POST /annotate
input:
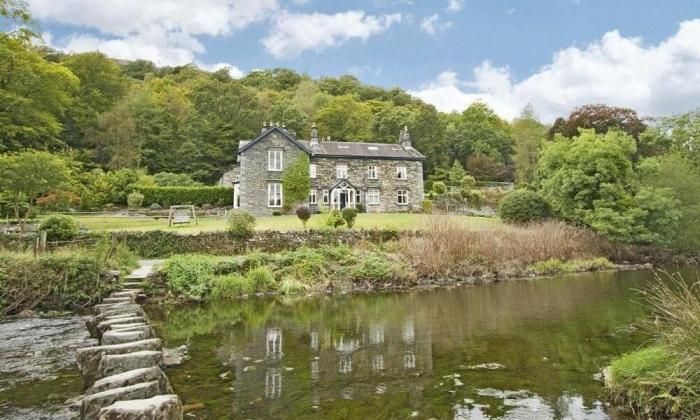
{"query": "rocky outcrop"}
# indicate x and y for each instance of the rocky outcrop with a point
(123, 375)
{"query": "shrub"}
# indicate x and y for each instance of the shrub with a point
(360, 208)
(59, 201)
(59, 228)
(334, 219)
(261, 279)
(277, 213)
(230, 286)
(134, 200)
(241, 224)
(349, 215)
(522, 206)
(169, 179)
(198, 196)
(189, 276)
(255, 259)
(427, 206)
(155, 206)
(439, 187)
(304, 214)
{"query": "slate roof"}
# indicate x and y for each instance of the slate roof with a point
(346, 149)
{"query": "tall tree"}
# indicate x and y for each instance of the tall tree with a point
(345, 118)
(600, 118)
(528, 134)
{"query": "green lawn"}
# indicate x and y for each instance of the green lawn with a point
(401, 221)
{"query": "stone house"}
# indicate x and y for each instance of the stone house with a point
(381, 177)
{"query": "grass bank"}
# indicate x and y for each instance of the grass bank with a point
(304, 270)
(663, 379)
(398, 221)
(62, 279)
(446, 249)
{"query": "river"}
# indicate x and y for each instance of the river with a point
(525, 349)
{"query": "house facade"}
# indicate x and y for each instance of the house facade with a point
(382, 177)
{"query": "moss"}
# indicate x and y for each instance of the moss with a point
(554, 266)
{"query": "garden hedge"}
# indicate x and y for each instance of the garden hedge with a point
(198, 196)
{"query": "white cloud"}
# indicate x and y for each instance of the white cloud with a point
(455, 6)
(233, 71)
(293, 34)
(655, 80)
(164, 32)
(432, 24)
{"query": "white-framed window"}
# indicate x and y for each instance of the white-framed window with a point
(312, 170)
(372, 196)
(312, 196)
(325, 196)
(274, 194)
(371, 172)
(401, 172)
(402, 197)
(274, 160)
(341, 171)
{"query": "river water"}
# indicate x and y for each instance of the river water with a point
(525, 349)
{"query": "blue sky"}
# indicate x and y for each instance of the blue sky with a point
(448, 52)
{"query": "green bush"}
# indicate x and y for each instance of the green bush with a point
(169, 179)
(134, 200)
(189, 276)
(261, 279)
(522, 206)
(427, 206)
(334, 219)
(198, 196)
(155, 206)
(231, 286)
(349, 215)
(304, 214)
(439, 187)
(241, 224)
(59, 228)
(360, 208)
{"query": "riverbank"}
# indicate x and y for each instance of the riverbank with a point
(662, 379)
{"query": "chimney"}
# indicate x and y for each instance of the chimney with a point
(313, 141)
(405, 138)
(264, 127)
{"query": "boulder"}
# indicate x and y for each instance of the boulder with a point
(161, 407)
(88, 358)
(120, 337)
(132, 377)
(112, 364)
(92, 404)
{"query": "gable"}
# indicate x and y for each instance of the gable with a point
(269, 136)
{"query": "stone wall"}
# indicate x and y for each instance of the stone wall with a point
(255, 176)
(386, 182)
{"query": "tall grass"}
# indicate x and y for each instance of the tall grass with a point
(447, 248)
(663, 380)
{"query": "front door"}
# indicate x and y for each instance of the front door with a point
(343, 199)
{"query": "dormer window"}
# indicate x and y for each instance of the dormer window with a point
(274, 160)
(401, 172)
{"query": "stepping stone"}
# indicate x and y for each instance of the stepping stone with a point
(132, 284)
(165, 407)
(127, 294)
(94, 321)
(121, 337)
(92, 404)
(117, 299)
(103, 307)
(105, 325)
(132, 377)
(130, 327)
(89, 358)
(117, 363)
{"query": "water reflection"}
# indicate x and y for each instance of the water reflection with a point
(525, 350)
